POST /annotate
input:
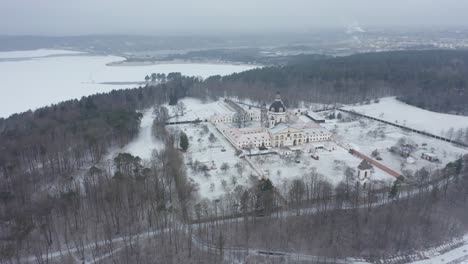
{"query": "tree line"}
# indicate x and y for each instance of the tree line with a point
(432, 79)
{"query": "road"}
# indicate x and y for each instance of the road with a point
(197, 242)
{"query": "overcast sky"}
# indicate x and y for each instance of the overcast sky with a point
(74, 17)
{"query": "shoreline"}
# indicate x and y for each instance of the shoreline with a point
(157, 62)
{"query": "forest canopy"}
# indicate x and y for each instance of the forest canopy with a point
(433, 79)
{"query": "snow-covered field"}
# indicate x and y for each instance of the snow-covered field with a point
(32, 83)
(195, 108)
(392, 110)
(366, 135)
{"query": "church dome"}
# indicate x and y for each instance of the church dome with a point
(364, 165)
(277, 106)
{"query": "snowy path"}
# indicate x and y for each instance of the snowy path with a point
(197, 242)
(458, 255)
(93, 245)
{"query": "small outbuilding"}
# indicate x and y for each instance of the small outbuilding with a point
(429, 156)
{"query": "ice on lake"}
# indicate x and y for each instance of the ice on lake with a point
(33, 83)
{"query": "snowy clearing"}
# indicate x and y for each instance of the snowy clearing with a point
(144, 144)
(33, 83)
(392, 110)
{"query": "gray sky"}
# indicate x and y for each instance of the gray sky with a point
(73, 17)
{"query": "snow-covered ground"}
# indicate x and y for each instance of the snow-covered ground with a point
(457, 255)
(35, 53)
(32, 83)
(195, 108)
(363, 135)
(144, 144)
(331, 165)
(278, 168)
(366, 135)
(214, 182)
(392, 110)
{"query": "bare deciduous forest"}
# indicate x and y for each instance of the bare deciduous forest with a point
(60, 204)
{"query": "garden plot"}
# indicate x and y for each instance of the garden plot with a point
(392, 110)
(366, 135)
(212, 162)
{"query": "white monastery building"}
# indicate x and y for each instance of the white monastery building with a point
(278, 127)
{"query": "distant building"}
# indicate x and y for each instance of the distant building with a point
(279, 128)
(316, 117)
(429, 156)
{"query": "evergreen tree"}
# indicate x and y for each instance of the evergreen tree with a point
(395, 189)
(153, 77)
(265, 197)
(184, 142)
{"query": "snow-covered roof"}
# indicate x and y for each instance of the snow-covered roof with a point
(281, 127)
(430, 154)
(315, 131)
(304, 125)
(315, 116)
(248, 134)
(317, 145)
